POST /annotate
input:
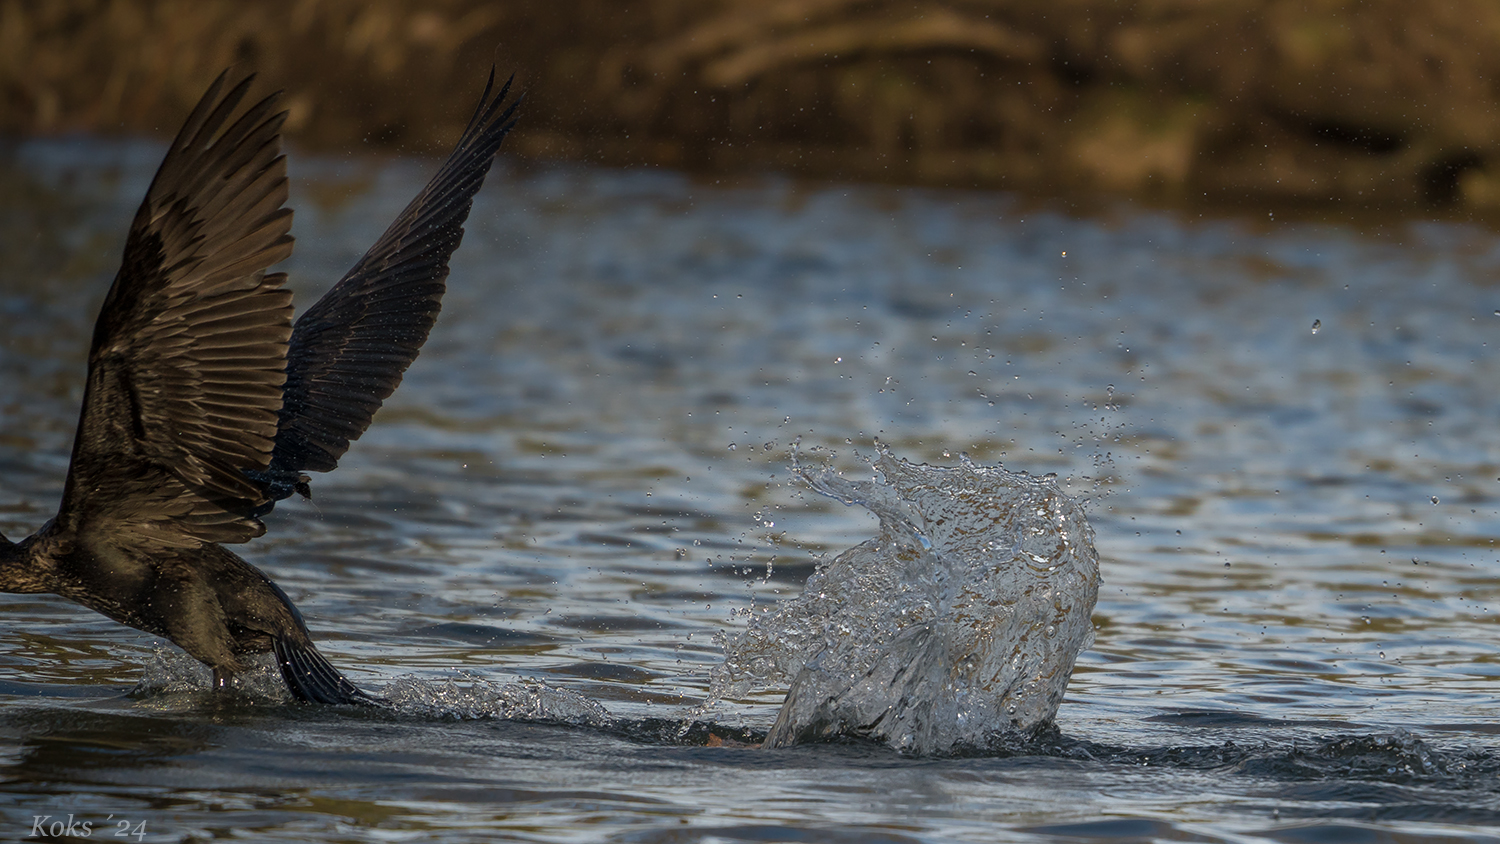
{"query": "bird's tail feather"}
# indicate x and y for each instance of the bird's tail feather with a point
(311, 678)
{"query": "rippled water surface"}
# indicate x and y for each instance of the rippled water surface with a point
(584, 481)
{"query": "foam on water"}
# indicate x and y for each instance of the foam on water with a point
(959, 622)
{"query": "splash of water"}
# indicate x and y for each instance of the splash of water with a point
(172, 675)
(471, 697)
(959, 622)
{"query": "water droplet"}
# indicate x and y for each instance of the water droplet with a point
(1317, 324)
(1434, 499)
(732, 446)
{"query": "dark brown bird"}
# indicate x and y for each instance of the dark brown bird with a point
(204, 403)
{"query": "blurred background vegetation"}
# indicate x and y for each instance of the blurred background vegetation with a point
(1380, 102)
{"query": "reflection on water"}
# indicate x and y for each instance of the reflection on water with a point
(584, 480)
(959, 621)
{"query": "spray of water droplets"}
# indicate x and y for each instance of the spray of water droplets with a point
(958, 623)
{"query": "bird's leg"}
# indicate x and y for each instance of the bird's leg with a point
(223, 679)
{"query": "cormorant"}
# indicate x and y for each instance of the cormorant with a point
(204, 404)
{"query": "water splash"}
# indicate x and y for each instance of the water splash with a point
(959, 622)
(470, 698)
(172, 675)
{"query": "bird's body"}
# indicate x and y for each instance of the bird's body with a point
(204, 403)
(214, 605)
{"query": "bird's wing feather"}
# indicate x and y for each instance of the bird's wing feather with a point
(189, 351)
(350, 349)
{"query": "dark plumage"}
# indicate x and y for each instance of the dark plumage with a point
(204, 404)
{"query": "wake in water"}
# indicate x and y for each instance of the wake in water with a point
(957, 624)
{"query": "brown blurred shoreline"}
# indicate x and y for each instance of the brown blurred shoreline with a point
(1393, 103)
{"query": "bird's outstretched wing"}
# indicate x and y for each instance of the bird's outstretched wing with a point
(189, 351)
(349, 351)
